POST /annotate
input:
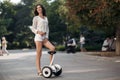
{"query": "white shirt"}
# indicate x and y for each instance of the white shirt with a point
(73, 44)
(82, 40)
(105, 43)
(40, 24)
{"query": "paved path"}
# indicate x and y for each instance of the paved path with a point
(20, 65)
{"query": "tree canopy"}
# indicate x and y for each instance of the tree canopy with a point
(98, 13)
(15, 20)
(65, 16)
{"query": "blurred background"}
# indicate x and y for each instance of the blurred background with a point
(96, 19)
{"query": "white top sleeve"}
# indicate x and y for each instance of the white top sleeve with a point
(34, 25)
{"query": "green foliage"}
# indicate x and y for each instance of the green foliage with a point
(63, 19)
(15, 19)
(96, 47)
(56, 25)
(60, 48)
(103, 14)
(6, 17)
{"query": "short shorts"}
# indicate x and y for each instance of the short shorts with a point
(39, 37)
(81, 45)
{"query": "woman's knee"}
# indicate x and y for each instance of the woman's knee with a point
(49, 45)
(52, 48)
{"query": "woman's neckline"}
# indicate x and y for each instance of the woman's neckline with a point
(41, 17)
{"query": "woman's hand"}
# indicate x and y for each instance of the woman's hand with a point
(41, 33)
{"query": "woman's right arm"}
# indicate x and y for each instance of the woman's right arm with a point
(34, 25)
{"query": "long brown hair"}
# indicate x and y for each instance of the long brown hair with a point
(43, 10)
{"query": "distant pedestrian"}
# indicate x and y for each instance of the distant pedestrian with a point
(112, 44)
(4, 46)
(82, 43)
(106, 44)
(71, 44)
(0, 49)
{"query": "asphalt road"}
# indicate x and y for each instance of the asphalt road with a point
(20, 65)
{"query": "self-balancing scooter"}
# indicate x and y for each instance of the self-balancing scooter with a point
(55, 69)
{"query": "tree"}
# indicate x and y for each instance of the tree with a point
(23, 19)
(102, 14)
(57, 26)
(6, 15)
(15, 20)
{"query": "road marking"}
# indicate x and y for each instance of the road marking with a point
(111, 78)
(18, 55)
(117, 61)
(80, 71)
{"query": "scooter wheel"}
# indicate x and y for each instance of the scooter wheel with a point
(58, 70)
(47, 72)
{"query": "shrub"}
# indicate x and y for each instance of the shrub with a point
(60, 48)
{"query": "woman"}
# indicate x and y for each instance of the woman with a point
(0, 49)
(106, 44)
(82, 43)
(4, 46)
(41, 30)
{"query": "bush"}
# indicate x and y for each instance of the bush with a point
(96, 47)
(60, 48)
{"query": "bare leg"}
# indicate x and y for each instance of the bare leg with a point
(38, 55)
(6, 51)
(1, 54)
(81, 49)
(49, 46)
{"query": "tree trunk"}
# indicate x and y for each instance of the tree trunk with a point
(118, 41)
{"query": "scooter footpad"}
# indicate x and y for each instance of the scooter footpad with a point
(51, 52)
